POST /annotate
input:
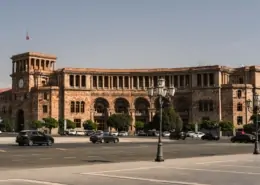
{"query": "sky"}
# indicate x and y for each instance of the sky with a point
(131, 33)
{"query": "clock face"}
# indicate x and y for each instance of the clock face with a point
(21, 83)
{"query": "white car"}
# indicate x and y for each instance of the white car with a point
(166, 134)
(80, 133)
(197, 135)
(123, 133)
(114, 133)
(72, 132)
(190, 133)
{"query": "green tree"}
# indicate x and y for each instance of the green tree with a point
(89, 125)
(119, 121)
(70, 124)
(170, 120)
(139, 125)
(208, 125)
(226, 126)
(7, 125)
(50, 123)
(35, 124)
(249, 128)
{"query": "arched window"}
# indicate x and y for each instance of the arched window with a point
(239, 107)
(72, 106)
(239, 93)
(77, 106)
(82, 107)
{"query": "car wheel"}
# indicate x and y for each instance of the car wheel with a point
(107, 142)
(233, 141)
(30, 143)
(49, 142)
(116, 140)
(20, 144)
(93, 142)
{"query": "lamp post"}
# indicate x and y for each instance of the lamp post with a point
(253, 107)
(161, 91)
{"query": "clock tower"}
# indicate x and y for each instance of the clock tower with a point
(30, 72)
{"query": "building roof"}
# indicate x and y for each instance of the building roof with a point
(34, 54)
(5, 89)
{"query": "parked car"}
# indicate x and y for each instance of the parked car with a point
(71, 132)
(197, 135)
(123, 133)
(142, 133)
(243, 138)
(178, 135)
(114, 133)
(80, 133)
(32, 137)
(104, 138)
(190, 133)
(210, 136)
(166, 134)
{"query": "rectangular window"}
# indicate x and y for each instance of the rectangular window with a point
(239, 120)
(200, 106)
(72, 107)
(45, 96)
(45, 109)
(181, 80)
(78, 123)
(126, 82)
(71, 80)
(205, 79)
(199, 80)
(106, 82)
(94, 82)
(135, 82)
(211, 79)
(187, 78)
(83, 81)
(77, 107)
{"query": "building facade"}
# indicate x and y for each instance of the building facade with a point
(204, 92)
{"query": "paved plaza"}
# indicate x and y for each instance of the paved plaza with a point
(239, 169)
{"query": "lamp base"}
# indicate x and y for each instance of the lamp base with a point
(159, 156)
(256, 149)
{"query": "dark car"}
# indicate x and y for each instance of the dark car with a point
(210, 136)
(32, 137)
(104, 138)
(243, 138)
(178, 135)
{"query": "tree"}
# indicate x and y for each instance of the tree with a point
(170, 120)
(249, 128)
(139, 125)
(50, 123)
(89, 125)
(226, 126)
(119, 121)
(35, 124)
(209, 125)
(70, 124)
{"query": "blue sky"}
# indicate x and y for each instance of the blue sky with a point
(132, 33)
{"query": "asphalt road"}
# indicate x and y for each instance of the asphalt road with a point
(13, 156)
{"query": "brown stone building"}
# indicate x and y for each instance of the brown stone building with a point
(204, 92)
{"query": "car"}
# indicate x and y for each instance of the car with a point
(190, 133)
(243, 138)
(197, 135)
(123, 133)
(32, 137)
(166, 134)
(142, 133)
(210, 136)
(178, 135)
(104, 138)
(80, 133)
(114, 133)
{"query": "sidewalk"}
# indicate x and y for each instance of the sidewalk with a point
(11, 140)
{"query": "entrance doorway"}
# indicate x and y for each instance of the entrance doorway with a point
(19, 120)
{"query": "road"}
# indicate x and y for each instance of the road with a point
(13, 156)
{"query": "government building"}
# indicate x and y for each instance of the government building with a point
(40, 90)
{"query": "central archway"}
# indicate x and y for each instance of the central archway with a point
(19, 120)
(121, 105)
(101, 106)
(141, 109)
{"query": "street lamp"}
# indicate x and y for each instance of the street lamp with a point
(162, 92)
(253, 107)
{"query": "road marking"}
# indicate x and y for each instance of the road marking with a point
(32, 181)
(17, 160)
(122, 170)
(35, 154)
(224, 161)
(212, 162)
(150, 180)
(46, 158)
(62, 149)
(92, 156)
(211, 170)
(69, 157)
(240, 166)
(3, 151)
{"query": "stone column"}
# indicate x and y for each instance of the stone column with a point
(143, 82)
(138, 82)
(117, 82)
(109, 82)
(103, 82)
(123, 77)
(112, 81)
(132, 82)
(97, 77)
